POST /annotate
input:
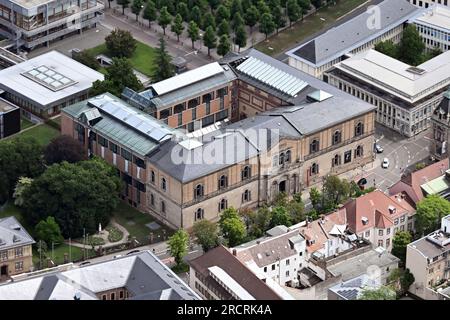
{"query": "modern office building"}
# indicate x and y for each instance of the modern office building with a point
(428, 259)
(9, 119)
(47, 83)
(433, 25)
(382, 22)
(15, 249)
(138, 276)
(405, 96)
(30, 24)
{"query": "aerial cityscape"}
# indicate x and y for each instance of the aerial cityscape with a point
(224, 150)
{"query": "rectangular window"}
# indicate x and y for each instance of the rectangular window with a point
(380, 232)
(396, 221)
(126, 154)
(18, 252)
(139, 162)
(367, 234)
(402, 219)
(114, 147)
(19, 265)
(273, 267)
(348, 156)
(4, 255)
(194, 113)
(287, 262)
(380, 243)
(102, 141)
(388, 242)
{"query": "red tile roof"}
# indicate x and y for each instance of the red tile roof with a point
(411, 183)
(377, 207)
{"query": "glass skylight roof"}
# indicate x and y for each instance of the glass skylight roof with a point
(49, 78)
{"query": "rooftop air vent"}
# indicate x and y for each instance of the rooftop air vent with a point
(364, 220)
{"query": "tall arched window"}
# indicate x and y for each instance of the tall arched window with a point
(223, 204)
(282, 159)
(198, 191)
(314, 169)
(246, 196)
(314, 146)
(287, 156)
(223, 182)
(163, 207)
(359, 151)
(199, 214)
(246, 173)
(152, 199)
(337, 137)
(163, 184)
(153, 177)
(359, 129)
(336, 161)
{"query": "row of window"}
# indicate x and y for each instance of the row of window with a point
(282, 158)
(336, 160)
(116, 149)
(18, 252)
(314, 146)
(222, 205)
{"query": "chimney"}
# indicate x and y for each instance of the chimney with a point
(234, 252)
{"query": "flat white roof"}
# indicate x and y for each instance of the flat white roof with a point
(393, 76)
(437, 16)
(187, 78)
(16, 79)
(229, 282)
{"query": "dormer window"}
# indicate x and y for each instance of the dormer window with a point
(392, 209)
(364, 220)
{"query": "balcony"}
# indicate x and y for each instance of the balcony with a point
(336, 146)
(218, 192)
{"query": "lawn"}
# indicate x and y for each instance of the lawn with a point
(142, 59)
(25, 123)
(75, 254)
(43, 134)
(135, 223)
(306, 28)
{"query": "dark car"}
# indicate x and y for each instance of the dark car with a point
(134, 251)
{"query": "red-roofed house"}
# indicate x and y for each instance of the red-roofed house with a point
(377, 216)
(410, 184)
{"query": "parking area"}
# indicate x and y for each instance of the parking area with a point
(403, 155)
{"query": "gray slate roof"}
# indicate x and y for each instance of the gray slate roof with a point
(12, 234)
(142, 274)
(353, 33)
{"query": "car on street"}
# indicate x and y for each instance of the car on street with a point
(84, 263)
(385, 163)
(378, 148)
(134, 251)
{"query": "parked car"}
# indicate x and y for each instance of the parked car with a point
(385, 163)
(84, 263)
(134, 251)
(378, 148)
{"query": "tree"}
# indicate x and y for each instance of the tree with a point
(124, 4)
(150, 12)
(335, 191)
(296, 211)
(224, 45)
(48, 231)
(136, 7)
(399, 242)
(232, 227)
(280, 216)
(164, 19)
(178, 244)
(240, 38)
(411, 46)
(317, 3)
(383, 293)
(209, 21)
(120, 43)
(183, 11)
(164, 68)
(305, 5)
(87, 58)
(260, 222)
(251, 17)
(400, 280)
(19, 157)
(316, 197)
(387, 48)
(22, 184)
(237, 21)
(236, 8)
(293, 11)
(177, 26)
(222, 13)
(223, 28)
(278, 18)
(193, 32)
(209, 39)
(207, 234)
(78, 195)
(266, 25)
(430, 212)
(262, 7)
(196, 15)
(118, 76)
(64, 148)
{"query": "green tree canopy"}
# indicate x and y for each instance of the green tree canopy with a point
(118, 76)
(22, 184)
(240, 38)
(267, 26)
(80, 195)
(178, 244)
(136, 7)
(209, 21)
(335, 191)
(193, 32)
(120, 43)
(232, 227)
(388, 48)
(48, 231)
(316, 197)
(411, 46)
(150, 13)
(224, 45)
(259, 222)
(64, 148)
(124, 4)
(293, 11)
(280, 216)
(87, 58)
(222, 13)
(223, 28)
(237, 21)
(183, 11)
(177, 26)
(164, 19)
(207, 234)
(399, 242)
(383, 293)
(209, 39)
(196, 15)
(236, 8)
(163, 63)
(430, 212)
(251, 17)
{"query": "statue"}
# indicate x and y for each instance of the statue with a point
(99, 228)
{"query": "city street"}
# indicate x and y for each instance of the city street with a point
(403, 154)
